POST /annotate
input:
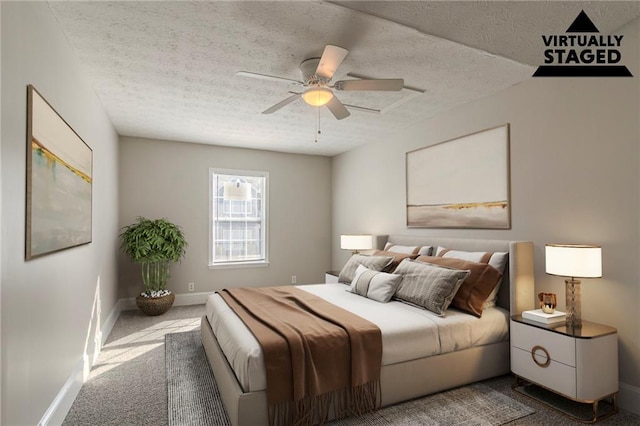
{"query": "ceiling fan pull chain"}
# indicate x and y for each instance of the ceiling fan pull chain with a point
(318, 133)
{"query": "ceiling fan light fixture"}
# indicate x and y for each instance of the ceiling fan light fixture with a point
(317, 96)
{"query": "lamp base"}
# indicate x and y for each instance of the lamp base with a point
(574, 303)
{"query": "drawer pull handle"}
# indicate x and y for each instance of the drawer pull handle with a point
(533, 356)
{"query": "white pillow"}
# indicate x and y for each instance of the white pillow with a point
(425, 250)
(420, 250)
(375, 285)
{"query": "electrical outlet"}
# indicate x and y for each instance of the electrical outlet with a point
(192, 286)
(293, 279)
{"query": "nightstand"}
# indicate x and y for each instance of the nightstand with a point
(579, 364)
(331, 277)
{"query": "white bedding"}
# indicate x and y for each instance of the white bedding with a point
(407, 332)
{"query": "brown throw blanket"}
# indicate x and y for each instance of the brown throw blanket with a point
(318, 357)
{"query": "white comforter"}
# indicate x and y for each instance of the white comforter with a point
(407, 332)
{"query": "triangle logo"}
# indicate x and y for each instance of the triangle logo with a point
(582, 24)
(582, 55)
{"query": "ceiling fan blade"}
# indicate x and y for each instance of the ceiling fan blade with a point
(331, 59)
(390, 84)
(281, 104)
(269, 77)
(337, 109)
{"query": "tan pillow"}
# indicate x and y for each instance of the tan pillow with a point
(397, 258)
(476, 287)
(498, 260)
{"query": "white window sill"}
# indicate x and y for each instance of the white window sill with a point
(235, 265)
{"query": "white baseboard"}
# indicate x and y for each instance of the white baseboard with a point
(185, 299)
(182, 299)
(629, 398)
(61, 404)
(109, 323)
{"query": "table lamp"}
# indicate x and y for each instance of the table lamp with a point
(573, 261)
(356, 242)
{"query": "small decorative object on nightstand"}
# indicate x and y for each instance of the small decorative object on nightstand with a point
(548, 302)
(356, 242)
(578, 363)
(574, 261)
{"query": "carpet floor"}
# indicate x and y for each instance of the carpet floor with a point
(128, 384)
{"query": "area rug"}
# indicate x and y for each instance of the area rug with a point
(193, 396)
(582, 412)
(194, 399)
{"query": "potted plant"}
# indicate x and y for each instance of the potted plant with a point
(154, 244)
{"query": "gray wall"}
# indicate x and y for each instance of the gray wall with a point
(574, 178)
(171, 179)
(49, 318)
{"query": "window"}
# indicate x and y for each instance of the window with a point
(238, 221)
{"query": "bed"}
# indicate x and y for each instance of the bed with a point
(427, 371)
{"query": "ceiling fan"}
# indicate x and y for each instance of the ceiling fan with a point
(316, 78)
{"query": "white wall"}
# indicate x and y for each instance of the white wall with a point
(53, 307)
(574, 178)
(171, 179)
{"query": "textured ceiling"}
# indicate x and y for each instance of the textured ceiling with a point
(166, 70)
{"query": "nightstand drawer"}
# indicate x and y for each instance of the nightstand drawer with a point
(559, 347)
(552, 374)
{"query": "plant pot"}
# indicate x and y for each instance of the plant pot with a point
(155, 305)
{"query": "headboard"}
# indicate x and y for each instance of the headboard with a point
(517, 291)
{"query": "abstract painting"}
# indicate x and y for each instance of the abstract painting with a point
(461, 183)
(59, 181)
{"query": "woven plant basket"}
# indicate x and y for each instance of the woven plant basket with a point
(155, 306)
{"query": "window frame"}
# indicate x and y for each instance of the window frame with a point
(213, 171)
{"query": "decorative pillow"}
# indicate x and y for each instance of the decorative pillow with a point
(498, 260)
(396, 248)
(425, 250)
(429, 286)
(397, 258)
(376, 263)
(475, 289)
(375, 285)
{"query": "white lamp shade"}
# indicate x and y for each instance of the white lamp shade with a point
(237, 191)
(356, 242)
(573, 260)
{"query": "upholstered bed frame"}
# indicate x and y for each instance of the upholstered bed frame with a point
(414, 378)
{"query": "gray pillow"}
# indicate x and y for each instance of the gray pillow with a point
(375, 285)
(429, 286)
(376, 263)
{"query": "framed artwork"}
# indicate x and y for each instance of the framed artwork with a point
(461, 183)
(59, 181)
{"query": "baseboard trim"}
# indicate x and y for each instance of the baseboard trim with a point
(185, 299)
(61, 404)
(182, 299)
(63, 401)
(629, 398)
(110, 322)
